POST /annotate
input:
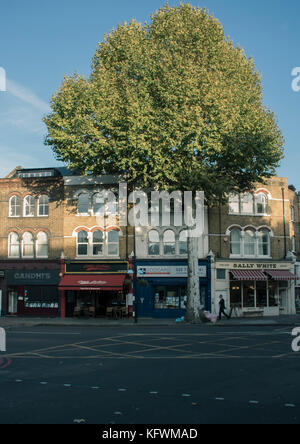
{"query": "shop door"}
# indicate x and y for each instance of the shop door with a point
(283, 300)
(70, 303)
(12, 302)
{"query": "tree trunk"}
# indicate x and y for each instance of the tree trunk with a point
(193, 309)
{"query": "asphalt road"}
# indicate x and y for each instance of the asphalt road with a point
(154, 375)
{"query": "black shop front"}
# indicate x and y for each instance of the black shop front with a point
(32, 292)
(93, 288)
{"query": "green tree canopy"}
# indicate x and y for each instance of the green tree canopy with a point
(168, 105)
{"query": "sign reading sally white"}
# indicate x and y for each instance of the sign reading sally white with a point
(2, 79)
(2, 340)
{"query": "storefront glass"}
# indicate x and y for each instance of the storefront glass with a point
(41, 297)
(236, 293)
(248, 294)
(272, 291)
(169, 298)
(261, 294)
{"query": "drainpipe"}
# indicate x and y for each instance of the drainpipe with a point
(284, 228)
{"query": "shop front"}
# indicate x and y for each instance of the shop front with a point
(93, 288)
(161, 288)
(30, 290)
(255, 288)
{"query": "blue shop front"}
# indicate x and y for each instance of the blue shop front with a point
(161, 287)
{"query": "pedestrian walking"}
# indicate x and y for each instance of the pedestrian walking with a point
(222, 309)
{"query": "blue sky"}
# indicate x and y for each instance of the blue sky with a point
(41, 41)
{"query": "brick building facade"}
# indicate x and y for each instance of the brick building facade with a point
(63, 250)
(252, 240)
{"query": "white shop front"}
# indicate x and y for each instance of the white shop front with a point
(254, 288)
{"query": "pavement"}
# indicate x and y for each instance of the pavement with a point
(18, 321)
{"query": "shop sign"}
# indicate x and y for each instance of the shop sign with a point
(34, 277)
(254, 265)
(168, 271)
(98, 267)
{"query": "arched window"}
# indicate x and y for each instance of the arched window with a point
(234, 203)
(43, 206)
(15, 206)
(169, 242)
(82, 243)
(113, 243)
(247, 203)
(29, 206)
(83, 205)
(98, 204)
(13, 245)
(261, 204)
(235, 242)
(153, 243)
(42, 244)
(27, 245)
(183, 235)
(97, 243)
(263, 238)
(249, 243)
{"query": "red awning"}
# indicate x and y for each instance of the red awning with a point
(92, 282)
(281, 275)
(248, 275)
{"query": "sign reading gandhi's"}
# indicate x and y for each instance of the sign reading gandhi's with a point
(34, 277)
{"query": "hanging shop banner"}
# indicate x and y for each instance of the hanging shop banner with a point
(168, 271)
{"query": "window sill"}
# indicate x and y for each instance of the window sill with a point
(233, 256)
(250, 214)
(97, 257)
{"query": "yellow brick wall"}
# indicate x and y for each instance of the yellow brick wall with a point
(220, 220)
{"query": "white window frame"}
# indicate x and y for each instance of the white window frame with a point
(27, 256)
(154, 243)
(112, 243)
(256, 237)
(82, 243)
(43, 206)
(89, 204)
(11, 206)
(256, 203)
(166, 243)
(39, 244)
(236, 200)
(28, 198)
(97, 243)
(10, 245)
(90, 244)
(185, 232)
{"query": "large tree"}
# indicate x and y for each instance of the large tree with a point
(169, 104)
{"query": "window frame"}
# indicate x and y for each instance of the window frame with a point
(29, 205)
(43, 205)
(23, 245)
(87, 213)
(15, 196)
(18, 245)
